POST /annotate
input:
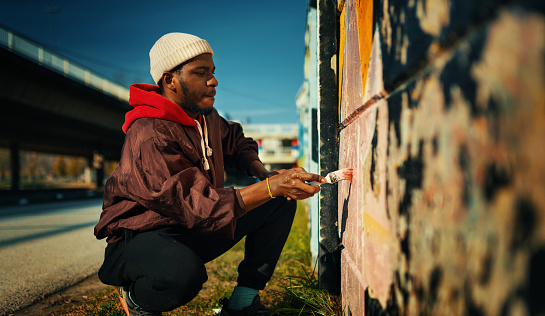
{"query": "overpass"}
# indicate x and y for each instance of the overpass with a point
(50, 104)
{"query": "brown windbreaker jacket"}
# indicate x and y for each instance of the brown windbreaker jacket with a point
(161, 178)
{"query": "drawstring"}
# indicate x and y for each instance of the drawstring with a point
(206, 150)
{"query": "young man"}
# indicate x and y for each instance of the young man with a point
(166, 212)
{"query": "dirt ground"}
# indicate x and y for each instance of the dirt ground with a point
(75, 294)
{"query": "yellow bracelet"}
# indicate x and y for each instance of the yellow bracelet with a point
(269, 188)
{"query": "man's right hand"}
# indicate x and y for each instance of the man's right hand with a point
(292, 184)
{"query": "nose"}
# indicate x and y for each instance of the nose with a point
(212, 82)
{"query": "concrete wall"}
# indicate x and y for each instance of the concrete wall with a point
(442, 116)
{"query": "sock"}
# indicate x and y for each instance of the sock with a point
(242, 297)
(131, 300)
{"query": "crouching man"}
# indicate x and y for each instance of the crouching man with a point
(166, 211)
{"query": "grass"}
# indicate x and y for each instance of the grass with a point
(292, 291)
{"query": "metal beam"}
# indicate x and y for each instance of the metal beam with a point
(329, 252)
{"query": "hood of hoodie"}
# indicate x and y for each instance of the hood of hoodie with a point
(148, 102)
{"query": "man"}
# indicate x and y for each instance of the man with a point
(166, 212)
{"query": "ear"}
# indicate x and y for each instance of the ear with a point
(168, 79)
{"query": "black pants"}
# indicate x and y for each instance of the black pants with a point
(164, 268)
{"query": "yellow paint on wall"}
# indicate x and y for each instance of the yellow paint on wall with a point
(373, 228)
(365, 34)
(342, 35)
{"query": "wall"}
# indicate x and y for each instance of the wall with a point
(442, 116)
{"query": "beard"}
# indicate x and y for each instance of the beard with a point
(191, 106)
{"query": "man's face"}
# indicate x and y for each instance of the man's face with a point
(196, 85)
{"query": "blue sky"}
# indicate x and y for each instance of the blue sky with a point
(258, 45)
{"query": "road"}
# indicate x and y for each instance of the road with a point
(46, 248)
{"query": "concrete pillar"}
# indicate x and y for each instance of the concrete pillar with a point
(15, 166)
(98, 165)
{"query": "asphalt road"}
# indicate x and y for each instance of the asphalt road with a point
(46, 248)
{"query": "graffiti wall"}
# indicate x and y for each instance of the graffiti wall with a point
(442, 116)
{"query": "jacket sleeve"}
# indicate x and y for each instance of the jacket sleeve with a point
(164, 178)
(238, 151)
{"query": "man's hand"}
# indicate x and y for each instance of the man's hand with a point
(292, 184)
(289, 183)
(274, 173)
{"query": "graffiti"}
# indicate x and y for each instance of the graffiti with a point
(449, 192)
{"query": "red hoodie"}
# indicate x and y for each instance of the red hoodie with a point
(148, 102)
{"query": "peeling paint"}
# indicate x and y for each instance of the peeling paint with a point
(342, 36)
(365, 32)
(433, 15)
(386, 26)
(499, 73)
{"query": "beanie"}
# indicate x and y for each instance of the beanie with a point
(173, 49)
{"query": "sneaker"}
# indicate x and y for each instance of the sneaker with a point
(130, 308)
(255, 309)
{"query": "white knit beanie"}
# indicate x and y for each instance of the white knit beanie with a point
(173, 49)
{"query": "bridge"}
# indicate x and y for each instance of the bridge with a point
(51, 105)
